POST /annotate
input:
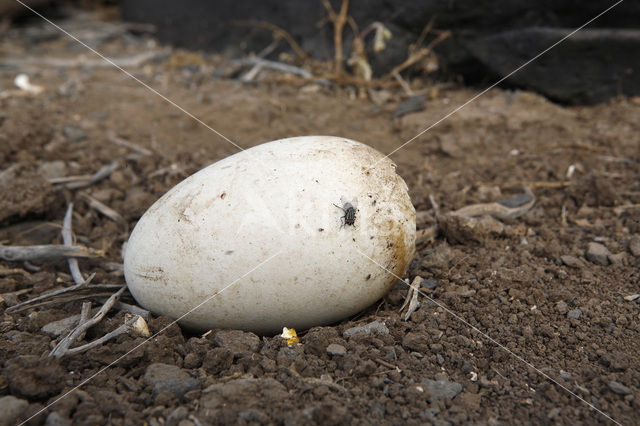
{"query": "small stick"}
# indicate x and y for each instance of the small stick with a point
(338, 20)
(123, 329)
(84, 315)
(67, 238)
(5, 272)
(52, 294)
(63, 346)
(69, 179)
(278, 66)
(44, 252)
(434, 206)
(405, 86)
(105, 171)
(121, 142)
(101, 207)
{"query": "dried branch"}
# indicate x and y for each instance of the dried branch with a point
(51, 294)
(278, 66)
(62, 347)
(123, 329)
(338, 20)
(101, 207)
(121, 142)
(418, 55)
(67, 239)
(104, 172)
(278, 34)
(45, 252)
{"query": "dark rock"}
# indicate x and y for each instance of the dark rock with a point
(239, 342)
(336, 350)
(634, 245)
(440, 389)
(165, 378)
(11, 410)
(619, 388)
(429, 284)
(55, 419)
(572, 261)
(416, 342)
(574, 314)
(552, 74)
(376, 327)
(75, 134)
(33, 377)
(598, 254)
(411, 105)
(561, 307)
(217, 360)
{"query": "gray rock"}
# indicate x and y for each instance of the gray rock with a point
(74, 133)
(376, 327)
(440, 389)
(57, 328)
(574, 314)
(619, 388)
(55, 419)
(177, 415)
(238, 341)
(411, 105)
(52, 169)
(634, 245)
(336, 350)
(598, 254)
(565, 376)
(11, 408)
(561, 307)
(169, 378)
(429, 284)
(572, 261)
(616, 259)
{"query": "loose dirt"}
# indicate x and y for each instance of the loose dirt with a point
(527, 282)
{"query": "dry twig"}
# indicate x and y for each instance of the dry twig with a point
(67, 239)
(338, 20)
(101, 207)
(62, 348)
(45, 252)
(54, 293)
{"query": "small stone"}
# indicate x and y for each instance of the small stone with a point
(436, 348)
(336, 350)
(565, 376)
(165, 378)
(572, 261)
(57, 328)
(11, 409)
(192, 360)
(429, 284)
(617, 259)
(417, 355)
(574, 314)
(440, 389)
(415, 342)
(376, 327)
(561, 307)
(238, 341)
(634, 245)
(177, 415)
(74, 133)
(619, 388)
(55, 419)
(439, 359)
(598, 254)
(52, 169)
(411, 105)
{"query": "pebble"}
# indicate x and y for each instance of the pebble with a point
(565, 376)
(574, 314)
(616, 259)
(74, 133)
(11, 408)
(55, 419)
(598, 254)
(336, 350)
(169, 378)
(572, 261)
(440, 389)
(619, 388)
(430, 284)
(177, 415)
(52, 169)
(238, 341)
(634, 245)
(561, 307)
(376, 327)
(411, 105)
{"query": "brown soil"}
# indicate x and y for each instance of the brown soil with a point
(511, 279)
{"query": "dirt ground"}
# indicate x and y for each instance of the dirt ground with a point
(528, 282)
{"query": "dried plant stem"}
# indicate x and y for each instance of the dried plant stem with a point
(123, 329)
(67, 239)
(51, 294)
(62, 347)
(338, 20)
(44, 252)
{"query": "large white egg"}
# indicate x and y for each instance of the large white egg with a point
(256, 242)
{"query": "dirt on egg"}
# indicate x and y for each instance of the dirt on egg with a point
(553, 286)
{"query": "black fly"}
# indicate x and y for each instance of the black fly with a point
(349, 217)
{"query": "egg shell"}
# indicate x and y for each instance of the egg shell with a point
(258, 241)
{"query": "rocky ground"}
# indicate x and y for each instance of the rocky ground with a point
(552, 286)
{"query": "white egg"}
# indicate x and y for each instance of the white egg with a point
(265, 238)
